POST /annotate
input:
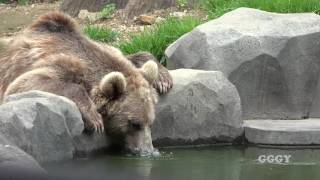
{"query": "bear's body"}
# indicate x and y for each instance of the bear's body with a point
(52, 55)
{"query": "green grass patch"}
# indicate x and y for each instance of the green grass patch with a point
(108, 11)
(182, 3)
(156, 39)
(216, 8)
(23, 2)
(101, 34)
(4, 1)
(20, 2)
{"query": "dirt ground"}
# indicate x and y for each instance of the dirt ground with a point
(14, 18)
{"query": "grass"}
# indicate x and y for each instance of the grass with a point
(216, 8)
(156, 39)
(182, 3)
(108, 11)
(23, 2)
(20, 2)
(101, 34)
(4, 1)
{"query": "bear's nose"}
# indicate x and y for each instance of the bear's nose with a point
(140, 143)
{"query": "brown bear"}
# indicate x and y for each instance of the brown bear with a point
(113, 92)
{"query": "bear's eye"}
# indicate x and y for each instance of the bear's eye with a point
(135, 126)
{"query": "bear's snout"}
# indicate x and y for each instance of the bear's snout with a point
(140, 142)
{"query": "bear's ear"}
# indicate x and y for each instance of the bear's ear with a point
(150, 71)
(113, 85)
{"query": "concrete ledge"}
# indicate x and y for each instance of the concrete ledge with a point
(283, 132)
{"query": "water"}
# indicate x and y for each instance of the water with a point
(221, 163)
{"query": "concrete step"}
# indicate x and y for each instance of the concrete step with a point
(283, 132)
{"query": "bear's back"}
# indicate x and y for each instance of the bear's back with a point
(56, 33)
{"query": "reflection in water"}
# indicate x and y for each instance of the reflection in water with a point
(221, 163)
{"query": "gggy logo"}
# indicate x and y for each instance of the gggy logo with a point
(274, 159)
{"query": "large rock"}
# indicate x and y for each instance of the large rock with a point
(202, 108)
(46, 126)
(132, 7)
(12, 157)
(283, 132)
(89, 16)
(272, 59)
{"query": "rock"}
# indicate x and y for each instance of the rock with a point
(88, 144)
(273, 60)
(46, 126)
(202, 108)
(89, 16)
(159, 19)
(72, 7)
(146, 20)
(178, 14)
(12, 157)
(283, 132)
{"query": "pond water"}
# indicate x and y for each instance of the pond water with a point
(221, 163)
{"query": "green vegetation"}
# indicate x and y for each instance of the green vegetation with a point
(21, 2)
(216, 8)
(182, 3)
(4, 1)
(102, 34)
(156, 39)
(108, 11)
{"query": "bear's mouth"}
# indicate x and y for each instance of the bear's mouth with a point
(140, 143)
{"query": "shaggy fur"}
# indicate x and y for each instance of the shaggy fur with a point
(164, 81)
(52, 55)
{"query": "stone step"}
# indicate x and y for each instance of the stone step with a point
(283, 132)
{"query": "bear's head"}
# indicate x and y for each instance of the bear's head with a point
(127, 107)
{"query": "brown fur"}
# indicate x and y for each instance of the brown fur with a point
(164, 81)
(52, 55)
(54, 22)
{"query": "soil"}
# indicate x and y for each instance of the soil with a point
(14, 18)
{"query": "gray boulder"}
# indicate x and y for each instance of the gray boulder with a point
(12, 157)
(46, 126)
(273, 60)
(202, 108)
(283, 132)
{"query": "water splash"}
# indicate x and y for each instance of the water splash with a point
(154, 155)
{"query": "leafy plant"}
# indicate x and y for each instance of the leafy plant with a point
(101, 34)
(108, 11)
